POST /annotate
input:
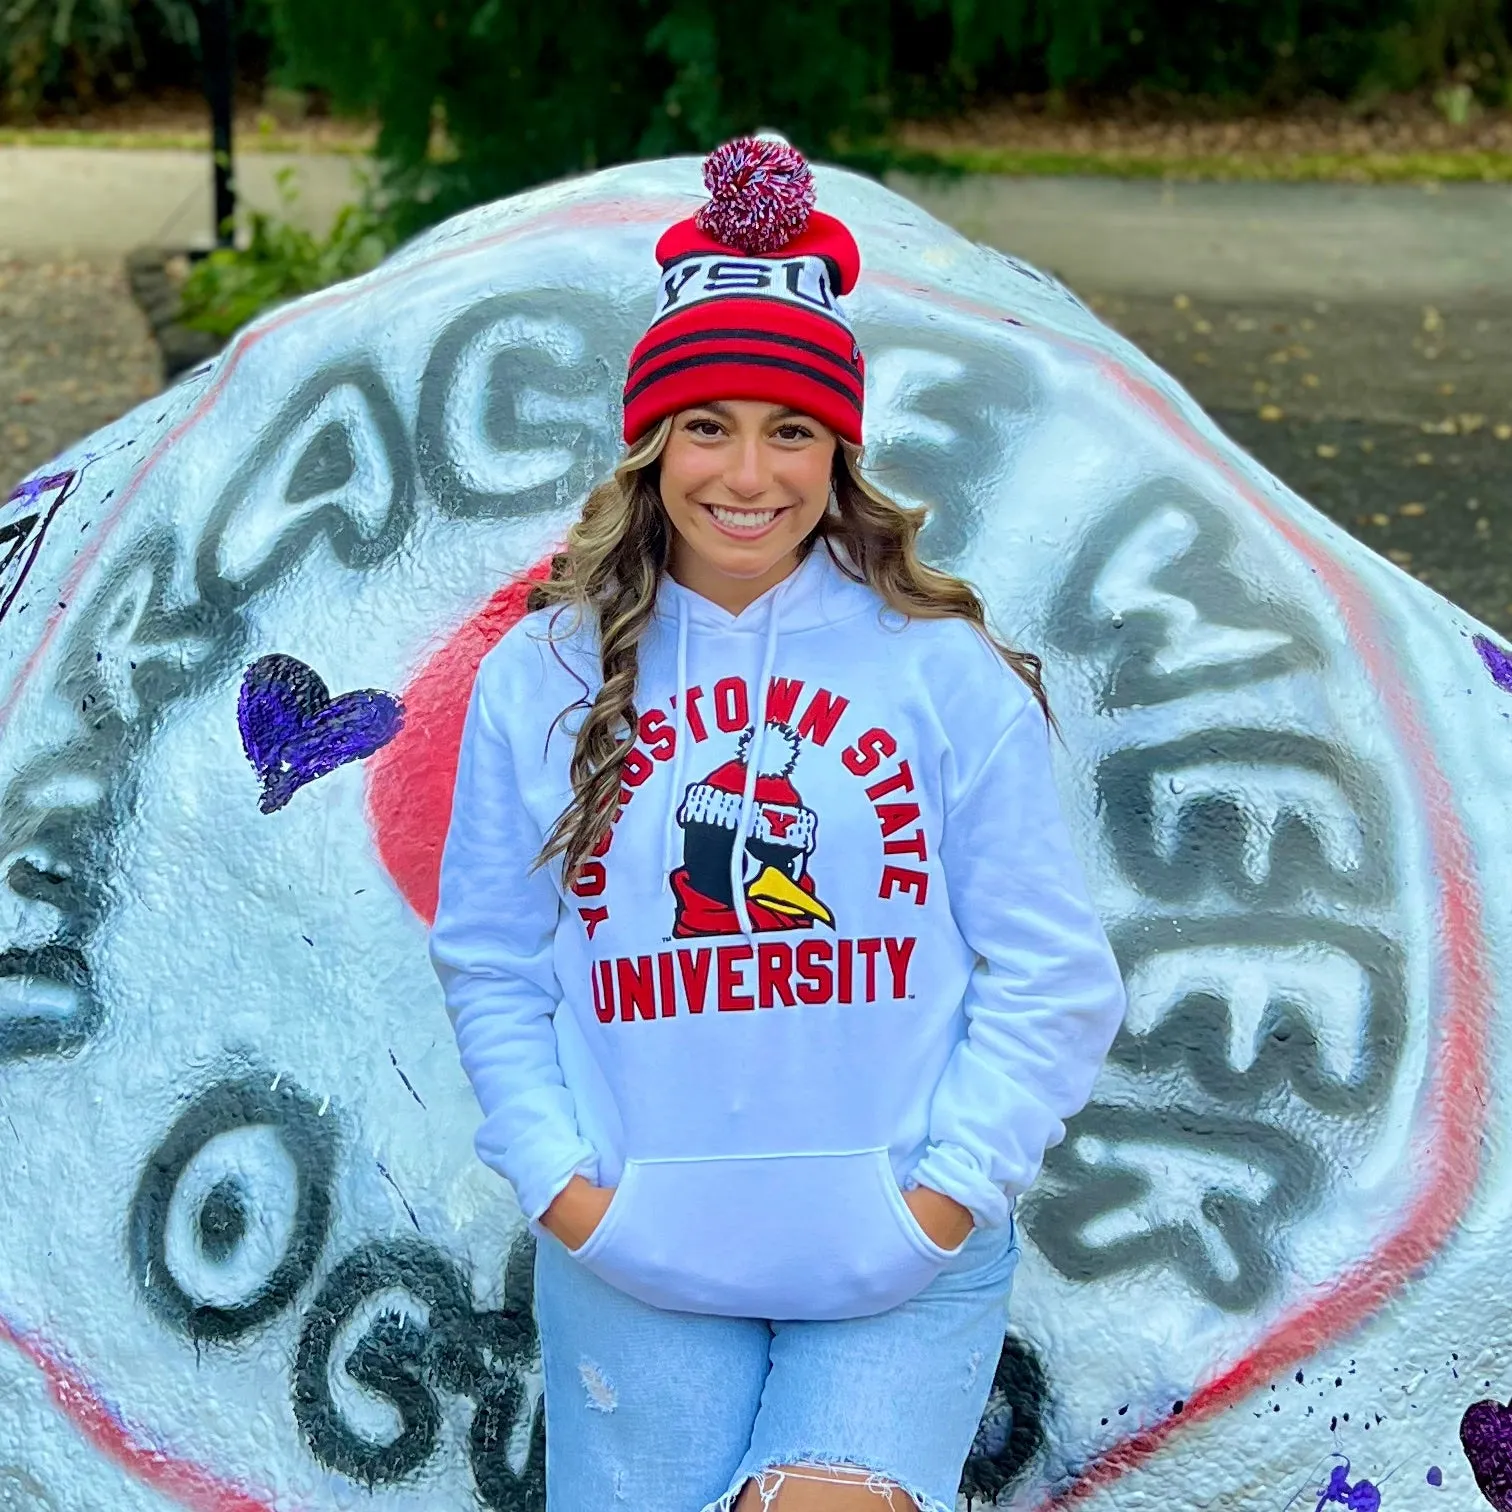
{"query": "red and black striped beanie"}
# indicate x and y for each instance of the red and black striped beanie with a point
(747, 304)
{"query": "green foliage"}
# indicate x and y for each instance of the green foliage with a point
(64, 54)
(281, 262)
(1456, 44)
(80, 48)
(477, 98)
(1247, 51)
(481, 98)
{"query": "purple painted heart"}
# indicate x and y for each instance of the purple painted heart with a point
(1498, 662)
(1486, 1435)
(293, 731)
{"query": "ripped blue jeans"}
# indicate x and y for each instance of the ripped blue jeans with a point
(652, 1411)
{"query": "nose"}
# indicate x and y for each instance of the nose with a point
(747, 477)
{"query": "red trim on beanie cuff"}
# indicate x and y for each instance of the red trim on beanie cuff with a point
(733, 348)
(735, 318)
(729, 378)
(742, 341)
(824, 236)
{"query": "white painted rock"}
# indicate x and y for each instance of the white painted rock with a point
(249, 1257)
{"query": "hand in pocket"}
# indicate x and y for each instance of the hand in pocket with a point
(941, 1217)
(576, 1211)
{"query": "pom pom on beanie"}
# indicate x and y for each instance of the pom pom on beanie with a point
(760, 195)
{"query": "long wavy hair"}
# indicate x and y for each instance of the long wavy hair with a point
(611, 565)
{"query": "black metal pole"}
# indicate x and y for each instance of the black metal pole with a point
(218, 41)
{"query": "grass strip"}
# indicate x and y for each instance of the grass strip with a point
(1466, 166)
(178, 141)
(1469, 166)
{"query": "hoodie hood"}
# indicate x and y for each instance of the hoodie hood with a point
(816, 594)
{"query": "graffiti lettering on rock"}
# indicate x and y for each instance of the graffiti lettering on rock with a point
(1150, 1188)
(24, 520)
(517, 405)
(411, 1352)
(1157, 595)
(233, 1207)
(1250, 1005)
(1254, 1007)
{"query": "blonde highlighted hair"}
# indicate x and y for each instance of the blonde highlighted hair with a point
(610, 568)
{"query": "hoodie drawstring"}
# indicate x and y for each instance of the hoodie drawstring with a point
(753, 767)
(754, 751)
(679, 746)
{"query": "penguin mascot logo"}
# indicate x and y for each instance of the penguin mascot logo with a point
(778, 888)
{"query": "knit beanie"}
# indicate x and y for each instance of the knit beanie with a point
(747, 303)
(780, 818)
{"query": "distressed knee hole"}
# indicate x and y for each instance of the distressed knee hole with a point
(601, 1395)
(769, 1481)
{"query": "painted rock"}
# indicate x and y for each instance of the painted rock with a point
(250, 1259)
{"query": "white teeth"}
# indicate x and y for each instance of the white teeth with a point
(743, 519)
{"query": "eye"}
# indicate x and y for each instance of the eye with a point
(792, 431)
(704, 427)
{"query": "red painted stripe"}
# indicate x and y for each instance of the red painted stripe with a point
(1455, 1101)
(410, 781)
(181, 1480)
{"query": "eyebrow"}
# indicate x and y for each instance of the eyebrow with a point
(717, 407)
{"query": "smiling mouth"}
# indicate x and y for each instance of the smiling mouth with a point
(742, 522)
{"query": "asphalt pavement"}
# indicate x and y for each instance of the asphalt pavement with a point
(91, 202)
(1356, 339)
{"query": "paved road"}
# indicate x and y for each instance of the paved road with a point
(74, 202)
(1220, 241)
(1395, 418)
(1357, 340)
(1241, 241)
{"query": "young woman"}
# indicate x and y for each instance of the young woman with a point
(767, 950)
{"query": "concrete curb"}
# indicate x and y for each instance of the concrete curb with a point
(180, 346)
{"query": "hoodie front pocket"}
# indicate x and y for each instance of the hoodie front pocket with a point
(767, 1236)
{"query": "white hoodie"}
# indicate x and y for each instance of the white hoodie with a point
(898, 980)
